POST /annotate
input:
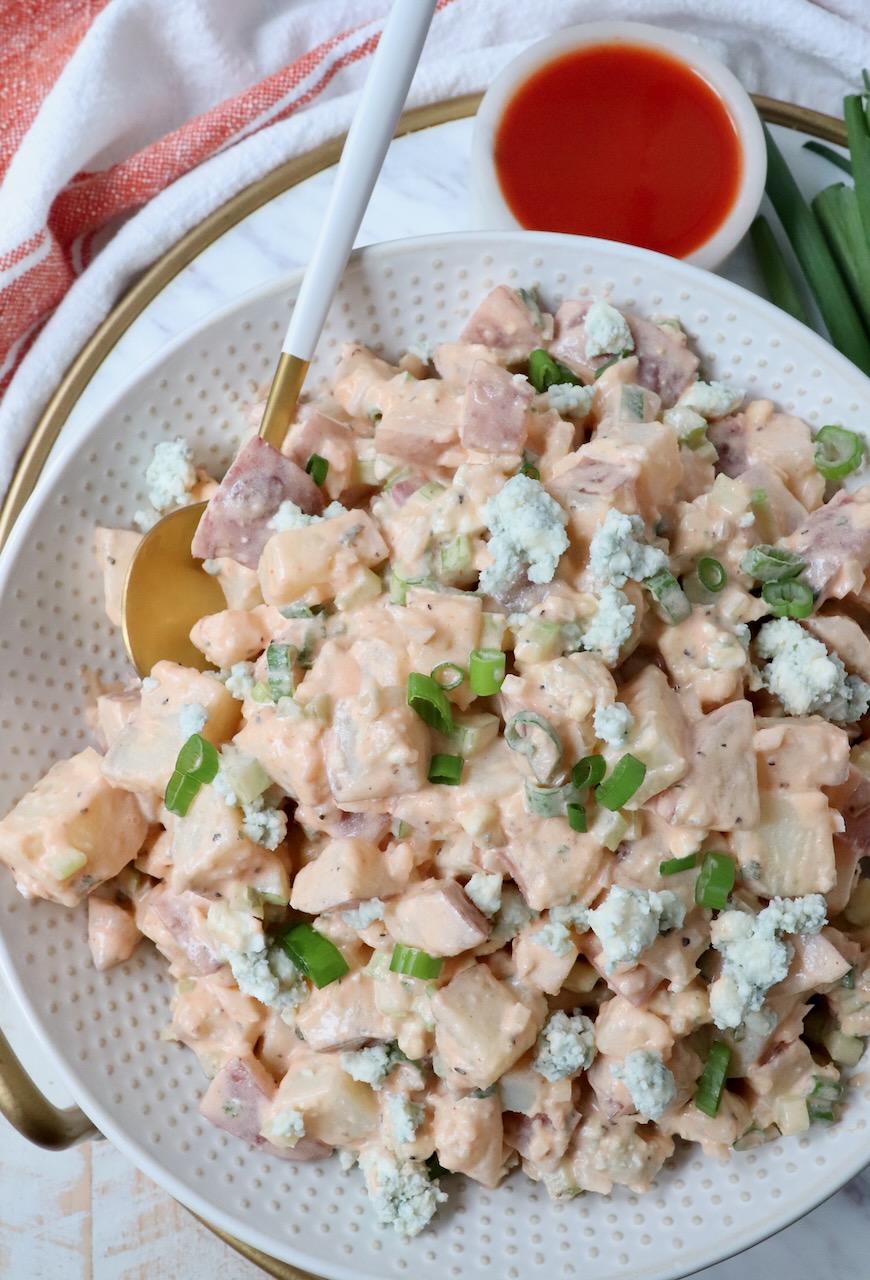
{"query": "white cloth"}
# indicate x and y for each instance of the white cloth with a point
(147, 66)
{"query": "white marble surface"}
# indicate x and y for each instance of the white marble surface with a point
(88, 1214)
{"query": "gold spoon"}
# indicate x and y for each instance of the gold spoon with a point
(166, 590)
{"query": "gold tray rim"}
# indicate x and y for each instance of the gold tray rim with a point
(27, 1110)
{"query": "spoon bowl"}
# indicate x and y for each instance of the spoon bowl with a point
(166, 591)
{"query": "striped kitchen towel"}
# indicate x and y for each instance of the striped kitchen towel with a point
(125, 122)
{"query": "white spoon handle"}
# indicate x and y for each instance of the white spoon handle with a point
(370, 134)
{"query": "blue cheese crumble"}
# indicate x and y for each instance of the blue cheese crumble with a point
(371, 1066)
(569, 400)
(170, 475)
(262, 825)
(268, 975)
(650, 1083)
(285, 1128)
(192, 718)
(401, 1191)
(527, 530)
(485, 892)
(613, 724)
(754, 956)
(565, 1046)
(405, 1118)
(554, 936)
(365, 914)
(616, 554)
(711, 399)
(607, 330)
(629, 920)
(806, 678)
(610, 627)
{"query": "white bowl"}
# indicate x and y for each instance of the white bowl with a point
(492, 210)
(105, 1028)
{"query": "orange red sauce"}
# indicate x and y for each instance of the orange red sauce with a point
(623, 142)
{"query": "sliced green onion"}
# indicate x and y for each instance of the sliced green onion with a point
(486, 671)
(317, 468)
(838, 452)
(828, 153)
(545, 372)
(672, 600)
(429, 490)
(448, 675)
(588, 772)
(414, 963)
(426, 697)
(818, 265)
(825, 1090)
(576, 814)
(771, 564)
(672, 866)
(260, 692)
(781, 288)
(446, 769)
(713, 1078)
(527, 469)
(820, 1113)
(715, 880)
(548, 802)
(533, 736)
(620, 355)
(181, 790)
(626, 779)
(788, 599)
(711, 573)
(198, 759)
(314, 956)
(280, 666)
(848, 980)
(456, 554)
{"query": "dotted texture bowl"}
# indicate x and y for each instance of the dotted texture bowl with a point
(106, 1028)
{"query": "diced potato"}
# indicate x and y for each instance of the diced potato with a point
(113, 935)
(481, 1027)
(143, 755)
(114, 711)
(72, 831)
(208, 848)
(377, 747)
(289, 749)
(719, 790)
(314, 562)
(344, 871)
(336, 1109)
(659, 736)
(343, 1015)
(801, 754)
(468, 1137)
(437, 917)
(792, 845)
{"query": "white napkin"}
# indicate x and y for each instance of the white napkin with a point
(148, 67)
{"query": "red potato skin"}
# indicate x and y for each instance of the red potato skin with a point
(236, 521)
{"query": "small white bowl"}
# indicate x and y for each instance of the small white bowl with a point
(490, 207)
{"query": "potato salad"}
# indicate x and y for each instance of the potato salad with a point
(516, 817)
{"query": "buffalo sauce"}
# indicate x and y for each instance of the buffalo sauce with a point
(623, 142)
